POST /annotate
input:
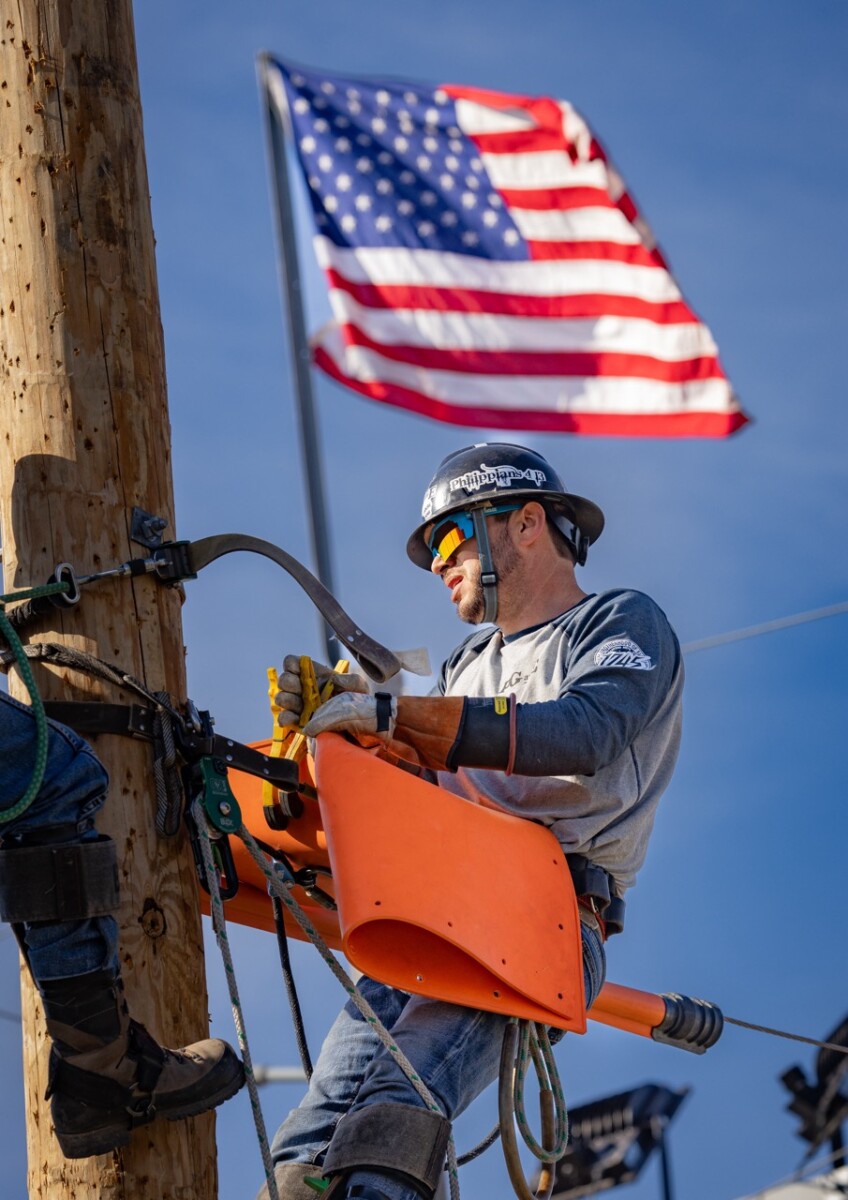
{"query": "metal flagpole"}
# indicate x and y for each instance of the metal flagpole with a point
(665, 1166)
(275, 114)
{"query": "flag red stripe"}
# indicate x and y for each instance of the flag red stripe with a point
(550, 363)
(488, 97)
(544, 199)
(458, 299)
(683, 424)
(628, 207)
(627, 252)
(519, 141)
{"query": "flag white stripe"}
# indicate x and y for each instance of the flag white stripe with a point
(481, 331)
(575, 225)
(543, 169)
(585, 395)
(397, 266)
(473, 118)
(577, 132)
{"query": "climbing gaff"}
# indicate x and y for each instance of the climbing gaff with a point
(681, 1021)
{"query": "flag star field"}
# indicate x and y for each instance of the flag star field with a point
(389, 166)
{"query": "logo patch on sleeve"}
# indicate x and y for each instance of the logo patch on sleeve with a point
(622, 652)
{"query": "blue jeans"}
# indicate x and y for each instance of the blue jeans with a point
(63, 812)
(456, 1052)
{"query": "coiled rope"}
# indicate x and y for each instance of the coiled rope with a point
(526, 1041)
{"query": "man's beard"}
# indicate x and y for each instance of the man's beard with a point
(472, 607)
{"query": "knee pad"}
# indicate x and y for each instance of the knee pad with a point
(58, 883)
(401, 1140)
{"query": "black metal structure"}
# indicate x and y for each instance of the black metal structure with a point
(612, 1139)
(822, 1105)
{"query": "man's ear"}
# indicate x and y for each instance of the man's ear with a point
(531, 522)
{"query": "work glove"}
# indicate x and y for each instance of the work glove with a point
(290, 696)
(423, 730)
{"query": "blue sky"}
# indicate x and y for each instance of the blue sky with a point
(727, 121)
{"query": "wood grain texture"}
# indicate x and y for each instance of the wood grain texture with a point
(84, 438)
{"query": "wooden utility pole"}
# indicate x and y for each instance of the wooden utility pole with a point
(85, 438)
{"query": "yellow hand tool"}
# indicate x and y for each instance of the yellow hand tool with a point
(287, 741)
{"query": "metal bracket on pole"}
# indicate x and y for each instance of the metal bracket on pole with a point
(147, 529)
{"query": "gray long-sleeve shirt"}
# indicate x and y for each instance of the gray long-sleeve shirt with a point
(598, 693)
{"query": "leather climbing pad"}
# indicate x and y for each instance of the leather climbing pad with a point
(444, 898)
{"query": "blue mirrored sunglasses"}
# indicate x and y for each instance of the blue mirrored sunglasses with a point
(447, 535)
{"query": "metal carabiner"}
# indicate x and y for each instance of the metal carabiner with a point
(65, 573)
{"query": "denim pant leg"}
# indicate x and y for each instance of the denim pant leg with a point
(71, 794)
(348, 1048)
(456, 1051)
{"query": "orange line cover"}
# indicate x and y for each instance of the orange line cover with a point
(445, 898)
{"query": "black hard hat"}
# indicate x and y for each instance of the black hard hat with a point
(492, 472)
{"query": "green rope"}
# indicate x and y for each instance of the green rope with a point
(282, 892)
(8, 632)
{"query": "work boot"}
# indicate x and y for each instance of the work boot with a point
(108, 1075)
(291, 1182)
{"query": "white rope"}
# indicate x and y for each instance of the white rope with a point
(219, 924)
(282, 892)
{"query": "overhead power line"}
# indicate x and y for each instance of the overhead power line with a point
(738, 635)
(782, 1033)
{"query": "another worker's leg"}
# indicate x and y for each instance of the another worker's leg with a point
(389, 1146)
(301, 1142)
(58, 886)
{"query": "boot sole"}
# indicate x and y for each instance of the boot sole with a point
(108, 1137)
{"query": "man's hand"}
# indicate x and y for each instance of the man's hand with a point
(420, 729)
(357, 714)
(290, 696)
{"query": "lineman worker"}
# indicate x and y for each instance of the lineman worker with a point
(59, 888)
(585, 744)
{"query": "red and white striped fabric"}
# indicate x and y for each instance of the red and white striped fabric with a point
(487, 266)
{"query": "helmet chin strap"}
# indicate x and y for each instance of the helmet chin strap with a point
(488, 575)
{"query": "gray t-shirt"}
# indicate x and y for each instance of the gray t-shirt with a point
(598, 693)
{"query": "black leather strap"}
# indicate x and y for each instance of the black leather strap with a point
(594, 882)
(384, 711)
(130, 720)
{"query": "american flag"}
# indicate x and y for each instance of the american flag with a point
(487, 266)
